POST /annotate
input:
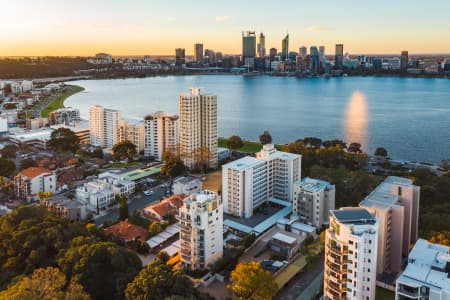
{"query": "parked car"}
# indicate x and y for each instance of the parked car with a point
(148, 193)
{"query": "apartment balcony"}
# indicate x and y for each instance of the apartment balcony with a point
(409, 292)
(337, 268)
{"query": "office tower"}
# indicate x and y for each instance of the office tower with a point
(339, 56)
(302, 52)
(201, 230)
(198, 128)
(272, 53)
(198, 53)
(395, 202)
(322, 51)
(248, 48)
(312, 201)
(249, 182)
(180, 58)
(285, 48)
(350, 255)
(210, 56)
(404, 60)
(104, 126)
(262, 45)
(133, 133)
(427, 274)
(315, 59)
(161, 133)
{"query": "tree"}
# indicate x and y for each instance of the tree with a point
(312, 142)
(163, 257)
(7, 167)
(380, 151)
(124, 150)
(89, 261)
(63, 140)
(235, 142)
(159, 281)
(44, 284)
(9, 151)
(27, 163)
(250, 281)
(442, 238)
(265, 138)
(355, 148)
(98, 153)
(173, 166)
(156, 227)
(123, 210)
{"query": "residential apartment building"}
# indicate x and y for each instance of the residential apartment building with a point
(395, 202)
(29, 182)
(186, 185)
(133, 133)
(99, 193)
(161, 133)
(249, 182)
(66, 115)
(350, 255)
(312, 201)
(70, 209)
(427, 275)
(198, 128)
(201, 230)
(104, 126)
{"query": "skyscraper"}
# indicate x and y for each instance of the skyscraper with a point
(248, 48)
(285, 48)
(262, 45)
(350, 255)
(302, 52)
(198, 53)
(180, 58)
(210, 56)
(404, 60)
(133, 132)
(272, 53)
(322, 51)
(339, 56)
(201, 230)
(162, 133)
(315, 59)
(103, 126)
(198, 128)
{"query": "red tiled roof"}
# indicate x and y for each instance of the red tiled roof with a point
(167, 206)
(33, 172)
(127, 231)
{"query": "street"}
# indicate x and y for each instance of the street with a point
(135, 204)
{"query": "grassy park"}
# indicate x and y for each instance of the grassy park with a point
(59, 101)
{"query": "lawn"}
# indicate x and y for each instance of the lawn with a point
(249, 146)
(59, 101)
(383, 294)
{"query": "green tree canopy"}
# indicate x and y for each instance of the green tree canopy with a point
(63, 140)
(172, 166)
(31, 237)
(355, 148)
(124, 150)
(250, 281)
(98, 153)
(235, 142)
(27, 163)
(9, 151)
(380, 151)
(265, 138)
(123, 210)
(159, 281)
(312, 142)
(103, 268)
(7, 167)
(44, 284)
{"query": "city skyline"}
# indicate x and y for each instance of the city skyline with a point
(157, 28)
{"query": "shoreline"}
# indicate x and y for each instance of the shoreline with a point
(58, 102)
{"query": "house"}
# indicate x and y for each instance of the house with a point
(29, 182)
(127, 232)
(168, 206)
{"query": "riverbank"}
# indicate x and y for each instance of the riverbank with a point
(58, 102)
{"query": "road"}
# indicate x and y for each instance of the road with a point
(137, 203)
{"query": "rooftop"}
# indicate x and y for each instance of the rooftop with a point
(428, 263)
(33, 172)
(353, 216)
(141, 173)
(126, 231)
(314, 185)
(244, 163)
(382, 195)
(201, 197)
(185, 179)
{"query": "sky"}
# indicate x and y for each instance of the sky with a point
(138, 27)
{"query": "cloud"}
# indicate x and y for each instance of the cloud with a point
(316, 29)
(222, 18)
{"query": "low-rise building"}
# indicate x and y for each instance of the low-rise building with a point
(284, 245)
(201, 234)
(66, 115)
(126, 232)
(427, 275)
(70, 209)
(166, 207)
(186, 185)
(29, 182)
(312, 201)
(36, 123)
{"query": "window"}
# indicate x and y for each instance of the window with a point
(399, 190)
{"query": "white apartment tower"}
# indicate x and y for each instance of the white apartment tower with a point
(395, 202)
(133, 133)
(201, 230)
(198, 128)
(104, 126)
(249, 182)
(162, 133)
(312, 201)
(351, 255)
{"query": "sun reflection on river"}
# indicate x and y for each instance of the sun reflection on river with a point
(356, 118)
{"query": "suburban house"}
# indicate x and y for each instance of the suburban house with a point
(167, 206)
